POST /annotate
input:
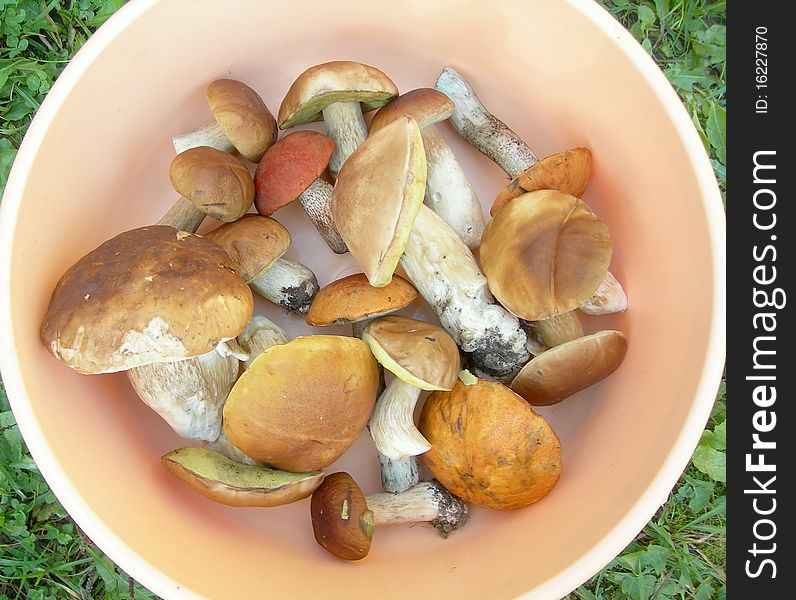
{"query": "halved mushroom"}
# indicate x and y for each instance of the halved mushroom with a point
(448, 191)
(242, 122)
(292, 169)
(343, 518)
(489, 447)
(257, 244)
(225, 481)
(337, 92)
(571, 367)
(567, 171)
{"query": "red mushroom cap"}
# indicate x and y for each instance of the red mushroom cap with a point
(288, 168)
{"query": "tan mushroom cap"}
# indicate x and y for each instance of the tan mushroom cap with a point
(215, 182)
(336, 81)
(341, 521)
(425, 105)
(419, 353)
(228, 482)
(242, 116)
(567, 368)
(566, 172)
(301, 405)
(378, 194)
(352, 299)
(254, 242)
(544, 254)
(152, 294)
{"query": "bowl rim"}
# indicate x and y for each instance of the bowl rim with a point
(558, 585)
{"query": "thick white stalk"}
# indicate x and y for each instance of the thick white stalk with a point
(392, 424)
(448, 191)
(445, 273)
(609, 298)
(398, 475)
(183, 215)
(347, 129)
(426, 502)
(317, 203)
(260, 335)
(209, 135)
(543, 335)
(289, 284)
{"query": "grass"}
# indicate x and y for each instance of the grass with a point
(679, 554)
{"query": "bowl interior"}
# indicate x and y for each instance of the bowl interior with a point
(545, 68)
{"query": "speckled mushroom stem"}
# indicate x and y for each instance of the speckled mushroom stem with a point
(317, 203)
(289, 284)
(445, 273)
(543, 335)
(448, 190)
(346, 126)
(426, 502)
(208, 135)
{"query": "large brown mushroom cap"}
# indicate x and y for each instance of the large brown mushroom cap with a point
(228, 482)
(216, 183)
(425, 105)
(544, 253)
(352, 299)
(489, 447)
(336, 81)
(566, 172)
(254, 242)
(419, 353)
(152, 294)
(242, 116)
(341, 521)
(288, 168)
(300, 405)
(377, 196)
(567, 368)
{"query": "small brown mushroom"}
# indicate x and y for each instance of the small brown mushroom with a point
(337, 92)
(343, 518)
(242, 122)
(292, 169)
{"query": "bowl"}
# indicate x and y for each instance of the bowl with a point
(562, 74)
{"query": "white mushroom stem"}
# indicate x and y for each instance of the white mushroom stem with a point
(188, 394)
(392, 424)
(183, 215)
(543, 335)
(346, 126)
(448, 190)
(425, 502)
(223, 446)
(609, 298)
(317, 203)
(289, 284)
(209, 135)
(398, 475)
(445, 273)
(493, 138)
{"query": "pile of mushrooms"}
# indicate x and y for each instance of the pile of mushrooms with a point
(265, 415)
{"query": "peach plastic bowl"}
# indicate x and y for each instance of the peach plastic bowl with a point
(562, 74)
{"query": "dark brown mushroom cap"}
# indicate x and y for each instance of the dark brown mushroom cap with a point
(335, 81)
(242, 116)
(425, 105)
(419, 353)
(568, 368)
(215, 182)
(152, 294)
(352, 299)
(253, 242)
(341, 520)
(566, 172)
(288, 168)
(544, 253)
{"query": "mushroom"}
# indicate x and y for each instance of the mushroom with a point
(301, 405)
(544, 254)
(566, 369)
(448, 191)
(343, 518)
(257, 244)
(377, 206)
(337, 92)
(422, 357)
(292, 169)
(242, 122)
(234, 484)
(489, 447)
(151, 294)
(567, 171)
(609, 298)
